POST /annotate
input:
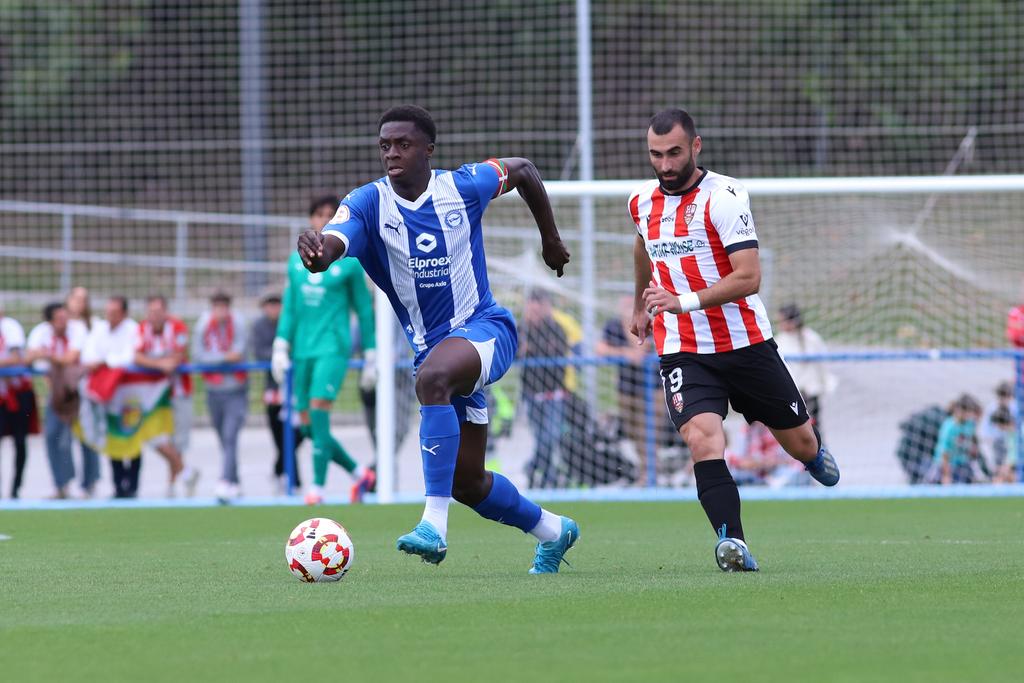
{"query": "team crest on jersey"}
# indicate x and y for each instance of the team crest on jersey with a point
(688, 213)
(426, 243)
(315, 278)
(453, 218)
(342, 214)
(677, 402)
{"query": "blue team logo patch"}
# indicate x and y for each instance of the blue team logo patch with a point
(453, 218)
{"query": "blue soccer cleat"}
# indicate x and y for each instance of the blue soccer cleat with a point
(823, 468)
(551, 554)
(732, 555)
(425, 542)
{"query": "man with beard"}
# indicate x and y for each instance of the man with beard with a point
(697, 274)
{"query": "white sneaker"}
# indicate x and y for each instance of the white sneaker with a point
(226, 491)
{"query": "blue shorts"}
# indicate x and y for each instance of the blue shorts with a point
(493, 333)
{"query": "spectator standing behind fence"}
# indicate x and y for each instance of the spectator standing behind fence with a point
(53, 348)
(635, 379)
(80, 322)
(956, 451)
(544, 391)
(220, 337)
(262, 339)
(111, 343)
(162, 345)
(17, 399)
(811, 377)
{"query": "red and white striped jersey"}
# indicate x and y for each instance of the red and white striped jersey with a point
(689, 237)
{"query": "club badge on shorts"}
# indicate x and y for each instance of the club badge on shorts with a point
(677, 402)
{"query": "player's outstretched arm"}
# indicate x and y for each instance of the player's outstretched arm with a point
(524, 177)
(319, 251)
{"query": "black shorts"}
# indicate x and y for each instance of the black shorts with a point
(754, 379)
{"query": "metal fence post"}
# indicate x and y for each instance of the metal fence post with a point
(289, 432)
(650, 425)
(67, 232)
(1018, 418)
(585, 140)
(180, 257)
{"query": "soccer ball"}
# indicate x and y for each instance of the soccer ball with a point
(319, 549)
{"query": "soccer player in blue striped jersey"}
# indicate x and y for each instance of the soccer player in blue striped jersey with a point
(417, 233)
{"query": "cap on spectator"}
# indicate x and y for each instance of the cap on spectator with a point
(220, 297)
(1004, 390)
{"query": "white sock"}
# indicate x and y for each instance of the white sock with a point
(315, 490)
(549, 528)
(436, 512)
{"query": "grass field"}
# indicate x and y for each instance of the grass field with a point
(925, 590)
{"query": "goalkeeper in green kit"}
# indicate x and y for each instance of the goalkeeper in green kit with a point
(314, 339)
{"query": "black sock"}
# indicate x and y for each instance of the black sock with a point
(817, 435)
(717, 492)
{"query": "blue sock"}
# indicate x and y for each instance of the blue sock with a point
(504, 504)
(439, 448)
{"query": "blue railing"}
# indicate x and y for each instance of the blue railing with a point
(651, 387)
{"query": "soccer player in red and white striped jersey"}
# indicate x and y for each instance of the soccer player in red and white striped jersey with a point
(697, 275)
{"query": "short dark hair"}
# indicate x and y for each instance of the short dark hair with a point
(157, 297)
(418, 116)
(664, 121)
(122, 300)
(270, 299)
(50, 310)
(318, 201)
(539, 295)
(967, 403)
(220, 297)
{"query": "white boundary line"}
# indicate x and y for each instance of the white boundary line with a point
(748, 493)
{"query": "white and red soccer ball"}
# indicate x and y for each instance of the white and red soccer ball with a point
(319, 549)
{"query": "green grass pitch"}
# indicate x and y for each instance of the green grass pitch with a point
(925, 590)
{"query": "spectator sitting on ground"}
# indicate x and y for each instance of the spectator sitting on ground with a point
(956, 451)
(1004, 446)
(220, 337)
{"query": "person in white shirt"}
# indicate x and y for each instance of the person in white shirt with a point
(53, 347)
(112, 343)
(811, 377)
(80, 322)
(17, 400)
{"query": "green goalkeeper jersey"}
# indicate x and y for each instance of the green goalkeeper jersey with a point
(315, 317)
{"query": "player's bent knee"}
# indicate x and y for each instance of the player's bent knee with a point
(433, 387)
(705, 438)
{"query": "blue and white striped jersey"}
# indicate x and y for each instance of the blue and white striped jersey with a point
(427, 255)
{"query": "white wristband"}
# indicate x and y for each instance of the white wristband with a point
(689, 301)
